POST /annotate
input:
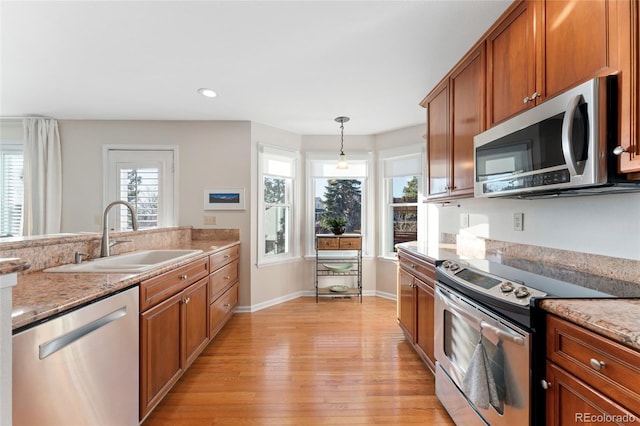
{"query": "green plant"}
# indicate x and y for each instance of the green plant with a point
(335, 224)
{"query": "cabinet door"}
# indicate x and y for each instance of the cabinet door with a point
(425, 322)
(195, 329)
(511, 64)
(577, 38)
(629, 83)
(467, 119)
(570, 401)
(406, 304)
(437, 105)
(160, 365)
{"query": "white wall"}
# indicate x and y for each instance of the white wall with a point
(274, 282)
(601, 224)
(210, 154)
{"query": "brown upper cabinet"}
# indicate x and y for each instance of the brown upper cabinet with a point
(629, 82)
(536, 50)
(455, 114)
(541, 48)
(511, 64)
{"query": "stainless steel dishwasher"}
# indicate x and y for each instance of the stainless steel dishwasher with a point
(80, 368)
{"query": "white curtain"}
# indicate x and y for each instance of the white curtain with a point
(42, 177)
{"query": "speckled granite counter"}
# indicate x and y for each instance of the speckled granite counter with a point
(11, 265)
(618, 319)
(40, 295)
(431, 252)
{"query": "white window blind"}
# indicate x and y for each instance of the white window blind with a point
(11, 189)
(145, 179)
(141, 188)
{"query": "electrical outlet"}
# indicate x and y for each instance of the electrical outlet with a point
(518, 221)
(209, 220)
(464, 220)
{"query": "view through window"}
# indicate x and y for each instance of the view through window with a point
(338, 198)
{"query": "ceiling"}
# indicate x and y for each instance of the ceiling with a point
(293, 65)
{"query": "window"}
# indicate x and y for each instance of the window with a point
(145, 179)
(338, 193)
(275, 223)
(402, 184)
(11, 188)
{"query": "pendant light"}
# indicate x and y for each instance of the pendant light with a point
(342, 158)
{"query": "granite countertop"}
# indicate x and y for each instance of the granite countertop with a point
(432, 252)
(618, 319)
(40, 295)
(12, 265)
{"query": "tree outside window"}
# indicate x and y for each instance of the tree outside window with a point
(404, 209)
(276, 215)
(339, 198)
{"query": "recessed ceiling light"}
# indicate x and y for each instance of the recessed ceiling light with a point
(207, 92)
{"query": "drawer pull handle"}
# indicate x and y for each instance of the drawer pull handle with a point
(227, 277)
(226, 256)
(183, 277)
(413, 266)
(597, 365)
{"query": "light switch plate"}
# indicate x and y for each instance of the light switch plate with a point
(209, 220)
(464, 220)
(518, 221)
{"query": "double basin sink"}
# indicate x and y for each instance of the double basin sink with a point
(134, 262)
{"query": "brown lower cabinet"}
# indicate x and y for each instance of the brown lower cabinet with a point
(589, 378)
(416, 281)
(185, 309)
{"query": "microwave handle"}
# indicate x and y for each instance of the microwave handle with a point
(567, 134)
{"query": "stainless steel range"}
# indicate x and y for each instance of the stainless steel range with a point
(485, 338)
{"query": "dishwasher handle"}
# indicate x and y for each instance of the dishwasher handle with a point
(59, 343)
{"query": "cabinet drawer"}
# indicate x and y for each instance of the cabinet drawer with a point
(418, 267)
(328, 243)
(608, 366)
(349, 243)
(157, 289)
(221, 309)
(223, 257)
(221, 279)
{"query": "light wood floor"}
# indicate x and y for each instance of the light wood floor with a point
(302, 363)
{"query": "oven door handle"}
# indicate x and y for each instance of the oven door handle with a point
(519, 340)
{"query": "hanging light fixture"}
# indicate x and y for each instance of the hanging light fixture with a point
(342, 159)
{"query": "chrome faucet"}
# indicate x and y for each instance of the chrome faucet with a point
(104, 252)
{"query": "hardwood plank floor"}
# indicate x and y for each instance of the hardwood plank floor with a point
(302, 363)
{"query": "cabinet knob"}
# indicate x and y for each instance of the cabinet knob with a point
(227, 277)
(597, 365)
(226, 256)
(531, 98)
(619, 150)
(186, 300)
(545, 385)
(227, 305)
(183, 277)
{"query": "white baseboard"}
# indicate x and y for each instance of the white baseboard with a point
(306, 293)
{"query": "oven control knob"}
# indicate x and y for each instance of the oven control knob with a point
(506, 287)
(446, 264)
(454, 267)
(522, 292)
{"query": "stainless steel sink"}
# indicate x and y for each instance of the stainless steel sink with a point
(134, 262)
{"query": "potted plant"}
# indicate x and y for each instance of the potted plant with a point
(335, 224)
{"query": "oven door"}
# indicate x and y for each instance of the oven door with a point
(460, 325)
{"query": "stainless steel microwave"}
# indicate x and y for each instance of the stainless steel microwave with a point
(564, 146)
